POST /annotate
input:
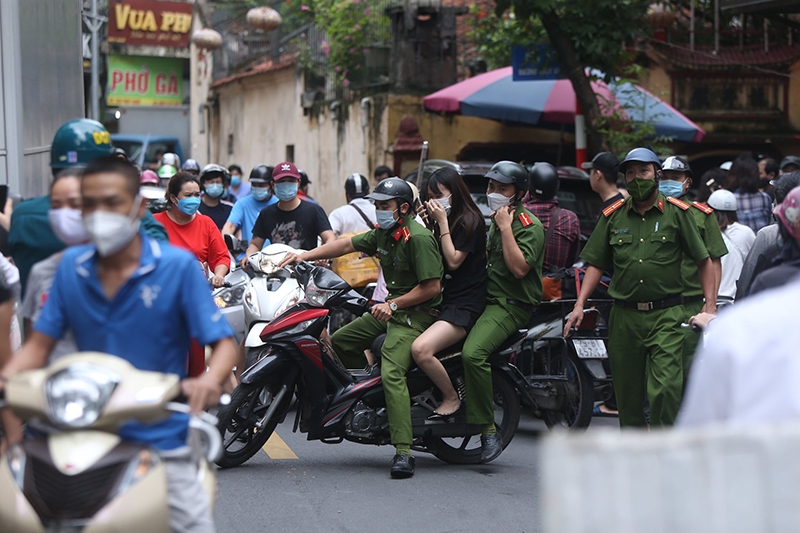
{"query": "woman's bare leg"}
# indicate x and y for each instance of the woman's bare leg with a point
(439, 336)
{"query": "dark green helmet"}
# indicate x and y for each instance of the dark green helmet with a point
(509, 172)
(78, 142)
(393, 189)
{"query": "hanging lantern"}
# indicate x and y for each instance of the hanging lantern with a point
(264, 18)
(659, 17)
(207, 39)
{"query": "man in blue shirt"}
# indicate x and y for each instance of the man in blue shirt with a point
(245, 211)
(109, 292)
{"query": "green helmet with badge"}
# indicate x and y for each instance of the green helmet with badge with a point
(509, 172)
(165, 172)
(78, 142)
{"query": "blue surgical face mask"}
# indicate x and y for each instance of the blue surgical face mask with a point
(385, 219)
(671, 188)
(286, 190)
(236, 180)
(214, 190)
(260, 193)
(188, 206)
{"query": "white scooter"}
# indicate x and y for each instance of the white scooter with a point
(271, 291)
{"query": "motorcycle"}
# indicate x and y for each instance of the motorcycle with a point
(76, 474)
(560, 379)
(271, 291)
(230, 297)
(335, 404)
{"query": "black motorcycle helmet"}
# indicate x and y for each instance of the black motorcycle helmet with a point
(261, 174)
(543, 181)
(509, 172)
(356, 186)
(393, 189)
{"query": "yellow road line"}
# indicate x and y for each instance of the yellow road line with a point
(276, 448)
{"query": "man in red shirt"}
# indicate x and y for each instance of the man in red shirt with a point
(562, 239)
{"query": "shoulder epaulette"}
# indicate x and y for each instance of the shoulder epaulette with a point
(525, 219)
(613, 207)
(703, 207)
(680, 203)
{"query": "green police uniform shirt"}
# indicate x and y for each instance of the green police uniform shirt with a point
(646, 251)
(408, 255)
(529, 234)
(712, 239)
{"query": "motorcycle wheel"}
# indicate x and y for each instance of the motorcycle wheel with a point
(467, 450)
(577, 412)
(241, 439)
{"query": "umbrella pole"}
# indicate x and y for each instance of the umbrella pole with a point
(580, 135)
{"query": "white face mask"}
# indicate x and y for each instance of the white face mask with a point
(111, 232)
(497, 200)
(445, 203)
(68, 226)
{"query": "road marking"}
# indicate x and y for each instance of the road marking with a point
(276, 448)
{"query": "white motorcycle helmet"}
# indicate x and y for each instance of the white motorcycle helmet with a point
(723, 200)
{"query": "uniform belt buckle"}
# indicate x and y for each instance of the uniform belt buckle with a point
(644, 306)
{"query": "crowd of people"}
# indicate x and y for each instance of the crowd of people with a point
(96, 268)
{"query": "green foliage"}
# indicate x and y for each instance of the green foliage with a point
(493, 35)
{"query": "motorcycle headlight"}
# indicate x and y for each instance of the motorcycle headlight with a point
(77, 394)
(251, 300)
(268, 264)
(288, 302)
(223, 298)
(16, 464)
(139, 467)
(316, 296)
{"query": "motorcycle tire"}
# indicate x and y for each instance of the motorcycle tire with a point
(245, 408)
(580, 397)
(506, 399)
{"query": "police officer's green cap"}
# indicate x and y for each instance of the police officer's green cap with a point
(640, 155)
(78, 142)
(509, 172)
(392, 189)
(166, 171)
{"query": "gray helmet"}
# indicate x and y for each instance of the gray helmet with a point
(356, 186)
(213, 170)
(677, 164)
(393, 189)
(641, 155)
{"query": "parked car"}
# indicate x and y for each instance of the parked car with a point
(146, 150)
(575, 193)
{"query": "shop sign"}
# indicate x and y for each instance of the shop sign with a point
(145, 81)
(149, 22)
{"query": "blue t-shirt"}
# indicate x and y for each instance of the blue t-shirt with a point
(245, 212)
(244, 190)
(149, 323)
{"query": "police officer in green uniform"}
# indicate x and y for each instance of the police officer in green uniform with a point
(676, 180)
(644, 238)
(514, 266)
(31, 238)
(412, 266)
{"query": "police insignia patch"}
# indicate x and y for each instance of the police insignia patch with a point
(680, 203)
(613, 207)
(525, 219)
(703, 207)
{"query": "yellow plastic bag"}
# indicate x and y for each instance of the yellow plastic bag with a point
(356, 269)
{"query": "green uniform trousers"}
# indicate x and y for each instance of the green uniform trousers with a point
(494, 326)
(401, 331)
(690, 339)
(645, 350)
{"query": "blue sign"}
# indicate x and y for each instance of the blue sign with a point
(535, 62)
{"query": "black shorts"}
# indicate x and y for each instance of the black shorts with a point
(463, 315)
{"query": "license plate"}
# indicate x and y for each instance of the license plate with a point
(590, 348)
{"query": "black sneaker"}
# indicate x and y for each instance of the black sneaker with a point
(402, 466)
(491, 447)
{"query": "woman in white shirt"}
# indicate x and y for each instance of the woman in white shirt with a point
(738, 238)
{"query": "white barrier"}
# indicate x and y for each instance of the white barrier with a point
(716, 480)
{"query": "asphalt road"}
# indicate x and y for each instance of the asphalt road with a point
(346, 488)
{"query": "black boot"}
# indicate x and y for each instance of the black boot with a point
(402, 466)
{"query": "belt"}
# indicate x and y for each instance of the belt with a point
(521, 305)
(422, 309)
(650, 306)
(692, 299)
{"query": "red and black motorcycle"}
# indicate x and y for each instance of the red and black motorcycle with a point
(336, 404)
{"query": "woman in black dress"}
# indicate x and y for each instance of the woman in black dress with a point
(461, 232)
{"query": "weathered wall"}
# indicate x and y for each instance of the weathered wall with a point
(260, 117)
(794, 97)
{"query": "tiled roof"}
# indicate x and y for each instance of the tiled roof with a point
(261, 68)
(729, 56)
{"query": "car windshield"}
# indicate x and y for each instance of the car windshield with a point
(132, 148)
